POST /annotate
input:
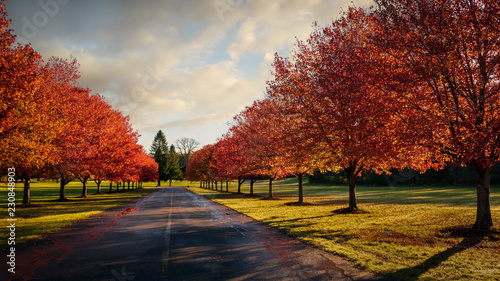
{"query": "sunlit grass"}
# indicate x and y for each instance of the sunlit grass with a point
(48, 215)
(407, 233)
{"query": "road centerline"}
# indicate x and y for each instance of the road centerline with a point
(168, 232)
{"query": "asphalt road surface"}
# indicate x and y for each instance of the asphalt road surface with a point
(173, 234)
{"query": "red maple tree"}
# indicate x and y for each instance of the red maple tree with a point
(443, 62)
(25, 133)
(335, 110)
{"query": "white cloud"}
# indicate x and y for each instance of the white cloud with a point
(192, 123)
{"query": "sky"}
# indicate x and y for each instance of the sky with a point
(185, 67)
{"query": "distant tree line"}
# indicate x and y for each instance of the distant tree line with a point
(448, 176)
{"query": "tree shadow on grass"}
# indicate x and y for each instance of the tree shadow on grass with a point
(252, 195)
(270, 198)
(472, 237)
(62, 200)
(30, 205)
(299, 204)
(344, 211)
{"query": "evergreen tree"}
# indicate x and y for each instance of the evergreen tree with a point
(173, 167)
(159, 151)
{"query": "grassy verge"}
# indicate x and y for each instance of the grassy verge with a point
(407, 233)
(48, 216)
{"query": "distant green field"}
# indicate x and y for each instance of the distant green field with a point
(33, 223)
(407, 233)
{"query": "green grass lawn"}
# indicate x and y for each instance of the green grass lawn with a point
(33, 223)
(407, 233)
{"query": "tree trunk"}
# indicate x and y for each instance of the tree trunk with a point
(170, 180)
(98, 186)
(251, 185)
(159, 183)
(227, 185)
(301, 187)
(216, 185)
(27, 190)
(240, 182)
(110, 187)
(117, 186)
(271, 187)
(351, 178)
(483, 216)
(61, 188)
(252, 181)
(84, 181)
(128, 187)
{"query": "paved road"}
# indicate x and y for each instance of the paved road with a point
(173, 234)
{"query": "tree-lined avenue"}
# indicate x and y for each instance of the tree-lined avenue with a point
(173, 234)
